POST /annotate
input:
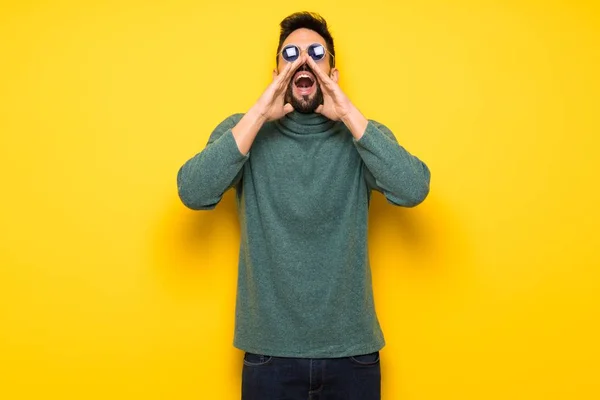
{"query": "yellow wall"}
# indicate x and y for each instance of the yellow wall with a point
(111, 289)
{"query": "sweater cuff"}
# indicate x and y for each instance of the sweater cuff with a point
(366, 138)
(231, 148)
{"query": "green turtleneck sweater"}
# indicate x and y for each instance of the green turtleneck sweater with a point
(304, 282)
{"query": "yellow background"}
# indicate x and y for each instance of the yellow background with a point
(111, 289)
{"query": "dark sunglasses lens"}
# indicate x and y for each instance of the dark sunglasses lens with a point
(316, 51)
(290, 53)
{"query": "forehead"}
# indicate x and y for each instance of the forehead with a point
(304, 37)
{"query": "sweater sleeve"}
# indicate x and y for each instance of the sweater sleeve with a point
(203, 179)
(390, 169)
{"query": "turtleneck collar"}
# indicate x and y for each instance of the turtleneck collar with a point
(305, 123)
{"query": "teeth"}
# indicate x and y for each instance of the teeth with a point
(303, 76)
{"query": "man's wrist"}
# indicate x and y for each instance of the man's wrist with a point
(257, 115)
(355, 122)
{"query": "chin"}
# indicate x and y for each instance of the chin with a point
(305, 99)
(305, 104)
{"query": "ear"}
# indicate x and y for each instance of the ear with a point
(334, 74)
(275, 73)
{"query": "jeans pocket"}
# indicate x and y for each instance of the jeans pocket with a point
(366, 359)
(254, 360)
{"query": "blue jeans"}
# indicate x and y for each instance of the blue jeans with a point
(283, 378)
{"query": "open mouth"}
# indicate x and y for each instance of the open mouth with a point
(304, 82)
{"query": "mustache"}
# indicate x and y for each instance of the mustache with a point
(305, 67)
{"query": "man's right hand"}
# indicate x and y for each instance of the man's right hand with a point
(269, 107)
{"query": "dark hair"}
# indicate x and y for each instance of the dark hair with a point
(308, 20)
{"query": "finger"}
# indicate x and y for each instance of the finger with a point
(283, 72)
(281, 81)
(321, 75)
(294, 66)
(288, 71)
(288, 108)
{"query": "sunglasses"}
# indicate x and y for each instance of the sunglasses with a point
(316, 51)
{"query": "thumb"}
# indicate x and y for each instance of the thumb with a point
(319, 109)
(288, 108)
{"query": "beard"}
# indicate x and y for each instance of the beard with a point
(304, 104)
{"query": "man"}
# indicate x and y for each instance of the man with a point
(303, 161)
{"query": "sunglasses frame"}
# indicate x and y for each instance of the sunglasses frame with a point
(306, 49)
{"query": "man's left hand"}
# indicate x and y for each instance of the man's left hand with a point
(336, 105)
